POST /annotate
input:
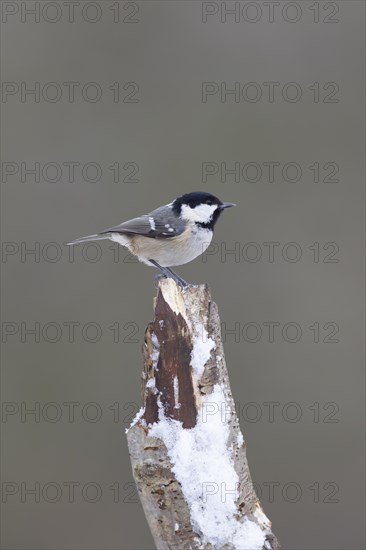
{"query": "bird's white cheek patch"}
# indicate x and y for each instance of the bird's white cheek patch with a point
(201, 213)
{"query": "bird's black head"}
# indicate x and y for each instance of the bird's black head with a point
(199, 207)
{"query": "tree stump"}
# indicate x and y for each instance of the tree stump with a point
(188, 454)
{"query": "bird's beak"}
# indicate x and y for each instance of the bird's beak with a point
(227, 205)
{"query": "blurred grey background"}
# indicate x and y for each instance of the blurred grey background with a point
(120, 99)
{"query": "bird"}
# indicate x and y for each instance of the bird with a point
(171, 235)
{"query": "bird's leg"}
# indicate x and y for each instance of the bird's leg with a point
(170, 274)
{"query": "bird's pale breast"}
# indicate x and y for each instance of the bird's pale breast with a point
(174, 251)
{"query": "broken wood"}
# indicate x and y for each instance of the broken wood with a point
(187, 452)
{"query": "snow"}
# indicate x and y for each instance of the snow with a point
(155, 352)
(136, 419)
(201, 350)
(176, 392)
(204, 467)
(151, 383)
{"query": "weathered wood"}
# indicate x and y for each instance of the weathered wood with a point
(177, 390)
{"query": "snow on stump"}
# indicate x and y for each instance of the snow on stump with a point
(187, 452)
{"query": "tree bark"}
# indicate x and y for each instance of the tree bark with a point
(184, 370)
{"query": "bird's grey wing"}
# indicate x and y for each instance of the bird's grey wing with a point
(160, 223)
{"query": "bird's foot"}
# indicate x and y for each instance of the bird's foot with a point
(169, 273)
(181, 282)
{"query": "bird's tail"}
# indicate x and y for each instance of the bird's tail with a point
(96, 237)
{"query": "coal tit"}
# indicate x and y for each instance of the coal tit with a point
(171, 235)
